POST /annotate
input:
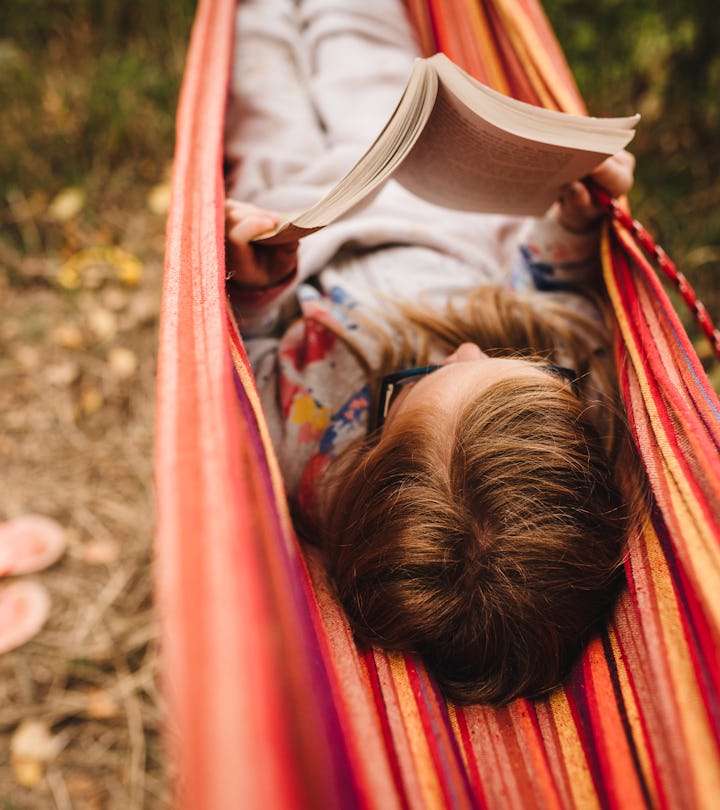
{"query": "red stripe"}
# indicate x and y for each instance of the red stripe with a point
(471, 758)
(659, 377)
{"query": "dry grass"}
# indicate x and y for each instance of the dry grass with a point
(77, 437)
(88, 92)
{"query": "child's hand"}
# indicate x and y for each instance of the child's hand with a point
(575, 208)
(255, 266)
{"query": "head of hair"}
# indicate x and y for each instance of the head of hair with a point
(493, 554)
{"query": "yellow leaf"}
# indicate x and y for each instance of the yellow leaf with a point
(158, 199)
(100, 552)
(101, 705)
(102, 322)
(68, 276)
(31, 746)
(91, 400)
(68, 335)
(127, 268)
(28, 772)
(123, 362)
(67, 204)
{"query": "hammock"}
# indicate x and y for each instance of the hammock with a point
(271, 705)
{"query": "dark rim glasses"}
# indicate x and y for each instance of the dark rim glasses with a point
(392, 384)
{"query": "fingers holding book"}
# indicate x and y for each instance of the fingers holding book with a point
(255, 266)
(576, 209)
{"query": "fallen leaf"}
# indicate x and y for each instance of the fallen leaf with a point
(129, 270)
(102, 322)
(67, 204)
(114, 298)
(158, 199)
(28, 357)
(91, 400)
(79, 783)
(68, 335)
(123, 362)
(90, 262)
(31, 747)
(28, 772)
(62, 374)
(68, 276)
(100, 552)
(101, 705)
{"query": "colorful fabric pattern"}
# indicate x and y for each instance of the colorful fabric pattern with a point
(270, 702)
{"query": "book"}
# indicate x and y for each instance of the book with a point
(456, 143)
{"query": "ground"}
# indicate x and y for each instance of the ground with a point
(77, 370)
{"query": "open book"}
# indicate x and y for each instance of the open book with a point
(459, 144)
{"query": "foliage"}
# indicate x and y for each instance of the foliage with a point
(88, 87)
(660, 59)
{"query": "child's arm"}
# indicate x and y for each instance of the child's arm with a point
(561, 249)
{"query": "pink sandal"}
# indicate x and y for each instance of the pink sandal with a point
(24, 609)
(29, 543)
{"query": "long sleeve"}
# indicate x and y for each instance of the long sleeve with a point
(559, 259)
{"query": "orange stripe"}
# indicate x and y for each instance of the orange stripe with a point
(462, 731)
(423, 764)
(449, 769)
(491, 760)
(486, 48)
(534, 753)
(618, 777)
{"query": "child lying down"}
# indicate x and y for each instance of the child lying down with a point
(437, 383)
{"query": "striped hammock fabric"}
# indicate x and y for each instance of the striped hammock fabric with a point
(270, 703)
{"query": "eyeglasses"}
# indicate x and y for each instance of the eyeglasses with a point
(392, 384)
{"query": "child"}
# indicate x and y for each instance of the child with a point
(437, 383)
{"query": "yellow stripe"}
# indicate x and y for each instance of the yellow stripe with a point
(579, 778)
(697, 735)
(422, 760)
(486, 47)
(533, 53)
(699, 541)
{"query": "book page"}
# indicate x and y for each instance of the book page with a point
(462, 161)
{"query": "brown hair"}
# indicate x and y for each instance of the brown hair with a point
(494, 561)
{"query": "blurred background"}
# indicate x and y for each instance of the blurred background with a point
(88, 90)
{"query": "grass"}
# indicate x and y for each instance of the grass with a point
(88, 92)
(660, 60)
